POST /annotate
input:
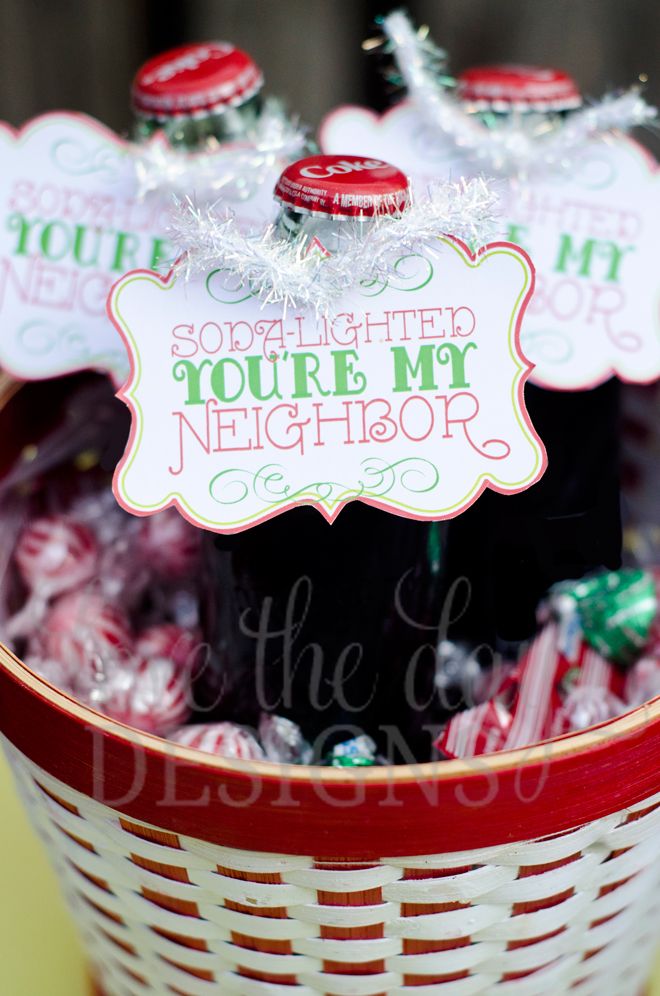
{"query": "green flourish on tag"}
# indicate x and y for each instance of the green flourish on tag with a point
(404, 277)
(234, 292)
(232, 486)
(413, 474)
(76, 159)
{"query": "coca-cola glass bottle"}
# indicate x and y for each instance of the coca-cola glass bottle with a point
(569, 523)
(323, 622)
(197, 95)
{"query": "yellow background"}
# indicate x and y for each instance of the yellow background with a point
(39, 954)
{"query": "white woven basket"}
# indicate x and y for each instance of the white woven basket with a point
(161, 913)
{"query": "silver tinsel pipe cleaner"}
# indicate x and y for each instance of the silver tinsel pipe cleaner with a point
(515, 146)
(279, 271)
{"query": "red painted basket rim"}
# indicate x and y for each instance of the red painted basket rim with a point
(357, 814)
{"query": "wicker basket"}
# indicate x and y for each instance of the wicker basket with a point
(527, 872)
(523, 873)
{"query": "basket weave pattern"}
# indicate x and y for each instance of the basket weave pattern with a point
(163, 914)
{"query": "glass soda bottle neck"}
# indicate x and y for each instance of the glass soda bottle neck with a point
(332, 233)
(202, 132)
(534, 120)
(525, 97)
(197, 95)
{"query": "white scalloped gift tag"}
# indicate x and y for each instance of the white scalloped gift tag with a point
(73, 222)
(409, 397)
(589, 228)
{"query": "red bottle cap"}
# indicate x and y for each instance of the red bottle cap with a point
(193, 80)
(343, 187)
(523, 88)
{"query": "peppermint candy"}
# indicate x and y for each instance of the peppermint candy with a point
(150, 695)
(87, 633)
(169, 544)
(221, 739)
(480, 730)
(55, 554)
(101, 513)
(169, 640)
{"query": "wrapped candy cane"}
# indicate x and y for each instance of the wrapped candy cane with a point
(547, 695)
(53, 555)
(222, 739)
(480, 730)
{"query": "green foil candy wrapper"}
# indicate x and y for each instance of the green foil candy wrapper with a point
(357, 753)
(616, 611)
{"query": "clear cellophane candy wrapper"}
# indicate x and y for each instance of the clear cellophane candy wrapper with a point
(105, 605)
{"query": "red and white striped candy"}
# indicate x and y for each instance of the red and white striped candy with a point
(153, 696)
(86, 632)
(550, 695)
(555, 693)
(221, 739)
(480, 730)
(169, 640)
(55, 554)
(170, 545)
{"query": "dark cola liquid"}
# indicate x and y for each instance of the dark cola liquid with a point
(323, 622)
(514, 547)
